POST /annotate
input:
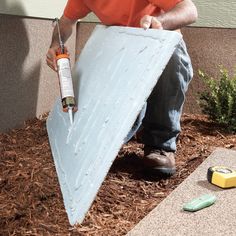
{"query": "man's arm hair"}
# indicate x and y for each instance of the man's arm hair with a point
(183, 14)
(66, 26)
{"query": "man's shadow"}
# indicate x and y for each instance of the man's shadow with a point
(131, 163)
(18, 86)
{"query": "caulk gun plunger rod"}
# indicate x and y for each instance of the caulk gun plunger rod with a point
(59, 37)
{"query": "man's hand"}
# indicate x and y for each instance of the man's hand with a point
(147, 22)
(51, 58)
(183, 14)
(65, 25)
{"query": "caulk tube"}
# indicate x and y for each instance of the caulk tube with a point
(65, 80)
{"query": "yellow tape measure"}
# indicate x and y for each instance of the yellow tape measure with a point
(222, 176)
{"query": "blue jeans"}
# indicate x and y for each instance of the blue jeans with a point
(161, 123)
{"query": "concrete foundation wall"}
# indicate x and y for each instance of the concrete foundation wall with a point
(208, 48)
(28, 87)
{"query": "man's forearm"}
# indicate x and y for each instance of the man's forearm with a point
(66, 26)
(184, 13)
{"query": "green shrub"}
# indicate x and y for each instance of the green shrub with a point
(218, 101)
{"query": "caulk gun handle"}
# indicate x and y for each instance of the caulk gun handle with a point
(61, 51)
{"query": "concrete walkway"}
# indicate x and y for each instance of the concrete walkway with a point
(168, 218)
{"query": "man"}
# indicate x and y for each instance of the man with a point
(164, 106)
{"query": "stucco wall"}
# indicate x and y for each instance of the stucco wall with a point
(33, 8)
(215, 13)
(28, 88)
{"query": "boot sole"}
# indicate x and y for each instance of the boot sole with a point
(161, 171)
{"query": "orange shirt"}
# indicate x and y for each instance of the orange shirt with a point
(118, 12)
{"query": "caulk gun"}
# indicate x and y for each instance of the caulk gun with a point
(65, 78)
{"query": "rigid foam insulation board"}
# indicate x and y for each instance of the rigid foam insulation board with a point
(113, 77)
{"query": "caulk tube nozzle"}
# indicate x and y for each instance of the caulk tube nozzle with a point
(70, 112)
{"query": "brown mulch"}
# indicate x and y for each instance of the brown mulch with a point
(30, 198)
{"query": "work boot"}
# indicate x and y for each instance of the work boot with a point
(159, 162)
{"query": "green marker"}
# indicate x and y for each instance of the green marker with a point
(200, 203)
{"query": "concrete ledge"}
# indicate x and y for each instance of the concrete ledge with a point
(168, 218)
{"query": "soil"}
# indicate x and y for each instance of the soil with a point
(31, 202)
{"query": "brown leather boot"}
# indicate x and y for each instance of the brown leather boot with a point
(159, 162)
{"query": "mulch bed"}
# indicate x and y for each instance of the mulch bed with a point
(30, 198)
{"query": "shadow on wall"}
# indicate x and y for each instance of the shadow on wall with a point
(18, 81)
